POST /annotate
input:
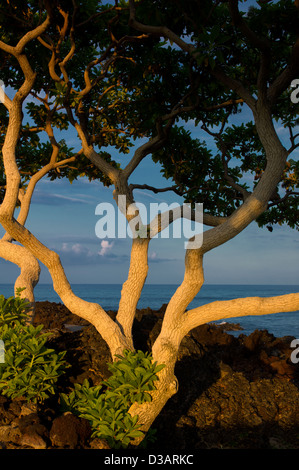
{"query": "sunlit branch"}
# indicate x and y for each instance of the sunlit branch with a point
(226, 104)
(256, 306)
(5, 100)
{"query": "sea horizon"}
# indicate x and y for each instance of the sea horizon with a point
(155, 295)
(161, 283)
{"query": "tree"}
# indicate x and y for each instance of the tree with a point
(36, 157)
(121, 72)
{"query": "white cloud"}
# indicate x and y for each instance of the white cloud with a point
(55, 199)
(153, 256)
(105, 247)
(76, 249)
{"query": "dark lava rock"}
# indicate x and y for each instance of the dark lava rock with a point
(69, 431)
(234, 392)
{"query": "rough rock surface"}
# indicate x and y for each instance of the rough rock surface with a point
(69, 431)
(234, 392)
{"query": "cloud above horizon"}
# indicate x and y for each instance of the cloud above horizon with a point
(49, 199)
(76, 254)
(105, 247)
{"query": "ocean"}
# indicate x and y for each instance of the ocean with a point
(154, 296)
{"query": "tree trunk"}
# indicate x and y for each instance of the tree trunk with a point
(91, 312)
(133, 286)
(166, 386)
(29, 275)
(177, 322)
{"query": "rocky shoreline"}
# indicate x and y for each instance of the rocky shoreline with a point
(234, 392)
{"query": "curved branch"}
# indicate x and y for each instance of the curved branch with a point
(30, 271)
(218, 72)
(161, 31)
(153, 189)
(96, 15)
(133, 286)
(92, 312)
(239, 308)
(283, 199)
(174, 326)
(257, 202)
(5, 99)
(259, 42)
(141, 152)
(94, 157)
(225, 104)
(33, 34)
(162, 221)
(283, 81)
(235, 85)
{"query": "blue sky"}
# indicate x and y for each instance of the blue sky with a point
(63, 217)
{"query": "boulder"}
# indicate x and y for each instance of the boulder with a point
(69, 431)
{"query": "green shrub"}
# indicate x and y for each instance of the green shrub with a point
(30, 368)
(106, 405)
(13, 310)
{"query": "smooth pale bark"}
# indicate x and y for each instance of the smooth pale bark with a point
(166, 347)
(30, 269)
(255, 306)
(166, 387)
(132, 287)
(177, 323)
(29, 275)
(90, 311)
(253, 206)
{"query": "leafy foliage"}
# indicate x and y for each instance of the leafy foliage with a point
(137, 81)
(13, 311)
(218, 173)
(106, 406)
(30, 369)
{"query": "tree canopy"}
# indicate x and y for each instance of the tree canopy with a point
(119, 85)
